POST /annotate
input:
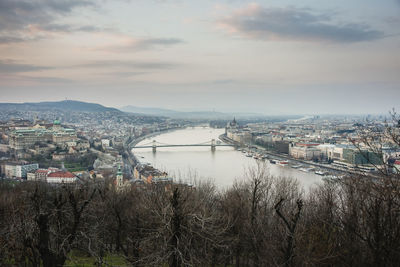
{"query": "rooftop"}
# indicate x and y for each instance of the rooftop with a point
(61, 174)
(42, 171)
(307, 144)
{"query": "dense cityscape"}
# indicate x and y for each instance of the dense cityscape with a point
(97, 144)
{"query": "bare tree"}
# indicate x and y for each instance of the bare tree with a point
(291, 224)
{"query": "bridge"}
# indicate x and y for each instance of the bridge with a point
(213, 144)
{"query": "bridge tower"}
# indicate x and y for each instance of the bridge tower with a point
(154, 146)
(213, 145)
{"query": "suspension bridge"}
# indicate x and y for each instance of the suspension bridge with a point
(154, 144)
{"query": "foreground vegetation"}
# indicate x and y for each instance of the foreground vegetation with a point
(259, 221)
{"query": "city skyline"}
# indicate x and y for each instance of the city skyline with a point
(269, 57)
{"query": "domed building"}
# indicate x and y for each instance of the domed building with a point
(27, 137)
(63, 135)
(231, 125)
(56, 125)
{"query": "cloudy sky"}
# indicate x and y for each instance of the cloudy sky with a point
(272, 57)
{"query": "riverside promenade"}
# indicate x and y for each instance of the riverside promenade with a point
(263, 150)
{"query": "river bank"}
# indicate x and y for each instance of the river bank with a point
(260, 149)
(132, 159)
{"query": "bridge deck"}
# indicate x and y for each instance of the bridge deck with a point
(150, 146)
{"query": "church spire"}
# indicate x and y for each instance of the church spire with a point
(120, 178)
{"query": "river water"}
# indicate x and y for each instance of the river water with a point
(222, 166)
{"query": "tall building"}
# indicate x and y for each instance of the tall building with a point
(362, 157)
(61, 177)
(27, 137)
(148, 173)
(18, 170)
(307, 151)
(231, 125)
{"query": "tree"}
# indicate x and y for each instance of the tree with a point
(47, 221)
(291, 224)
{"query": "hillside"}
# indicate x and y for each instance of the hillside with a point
(66, 105)
(151, 111)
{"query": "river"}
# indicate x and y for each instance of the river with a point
(223, 165)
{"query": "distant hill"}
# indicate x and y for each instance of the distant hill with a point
(151, 111)
(66, 105)
(175, 114)
(186, 115)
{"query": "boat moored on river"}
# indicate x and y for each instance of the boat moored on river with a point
(282, 162)
(320, 172)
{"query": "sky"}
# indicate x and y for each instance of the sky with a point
(270, 57)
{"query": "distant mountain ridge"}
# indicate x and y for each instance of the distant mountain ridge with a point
(150, 111)
(79, 106)
(185, 114)
(65, 105)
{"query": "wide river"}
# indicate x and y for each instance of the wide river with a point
(223, 165)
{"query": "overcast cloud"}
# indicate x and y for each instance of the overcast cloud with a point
(290, 23)
(26, 20)
(9, 66)
(109, 64)
(136, 45)
(285, 56)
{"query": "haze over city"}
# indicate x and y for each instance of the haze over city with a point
(271, 57)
